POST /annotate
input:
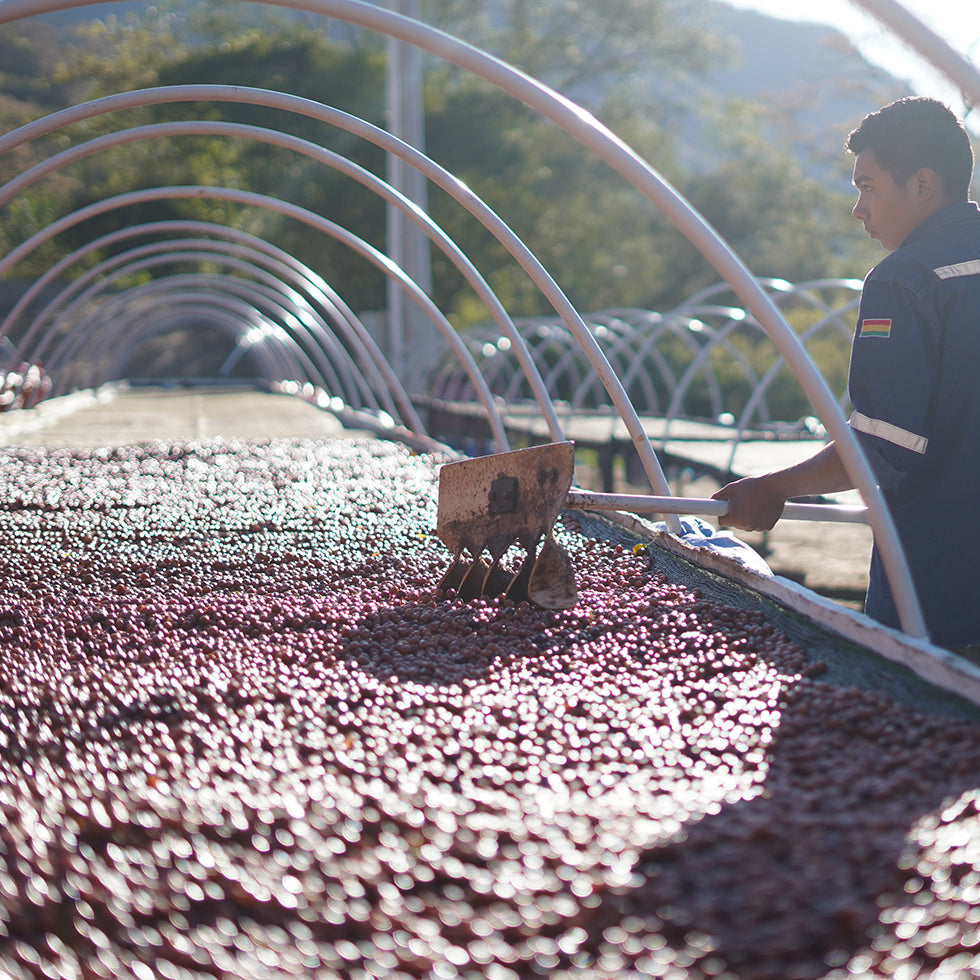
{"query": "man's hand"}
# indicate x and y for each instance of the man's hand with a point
(756, 503)
(753, 504)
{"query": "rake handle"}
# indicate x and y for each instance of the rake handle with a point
(644, 504)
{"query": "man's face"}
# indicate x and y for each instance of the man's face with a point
(888, 211)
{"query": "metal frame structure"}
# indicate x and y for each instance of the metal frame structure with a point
(375, 378)
(578, 123)
(631, 339)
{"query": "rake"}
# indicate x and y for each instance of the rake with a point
(490, 503)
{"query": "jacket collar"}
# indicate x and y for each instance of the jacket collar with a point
(952, 213)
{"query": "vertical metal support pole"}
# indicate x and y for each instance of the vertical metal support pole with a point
(412, 345)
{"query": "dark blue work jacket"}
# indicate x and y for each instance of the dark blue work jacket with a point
(915, 386)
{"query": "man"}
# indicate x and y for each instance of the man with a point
(914, 376)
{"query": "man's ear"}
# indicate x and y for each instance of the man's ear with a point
(927, 184)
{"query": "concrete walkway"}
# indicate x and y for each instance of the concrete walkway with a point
(128, 416)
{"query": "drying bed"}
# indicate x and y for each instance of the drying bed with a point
(241, 736)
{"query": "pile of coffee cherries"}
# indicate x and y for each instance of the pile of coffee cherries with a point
(243, 735)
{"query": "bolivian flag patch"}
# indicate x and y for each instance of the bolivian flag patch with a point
(876, 328)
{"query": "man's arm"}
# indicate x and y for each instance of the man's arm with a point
(756, 503)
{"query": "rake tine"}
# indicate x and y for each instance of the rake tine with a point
(552, 579)
(471, 585)
(454, 575)
(488, 503)
(517, 590)
(496, 580)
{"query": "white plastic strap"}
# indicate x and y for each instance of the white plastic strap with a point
(971, 268)
(890, 433)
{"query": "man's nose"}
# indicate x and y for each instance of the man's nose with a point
(859, 210)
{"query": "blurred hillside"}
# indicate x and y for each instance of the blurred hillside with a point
(816, 87)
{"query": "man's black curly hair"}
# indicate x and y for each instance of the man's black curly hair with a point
(915, 133)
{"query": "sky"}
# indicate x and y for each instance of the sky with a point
(956, 21)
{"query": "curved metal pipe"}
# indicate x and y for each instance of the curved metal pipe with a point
(270, 361)
(102, 276)
(140, 306)
(95, 335)
(220, 128)
(385, 380)
(940, 54)
(301, 214)
(252, 96)
(83, 373)
(260, 298)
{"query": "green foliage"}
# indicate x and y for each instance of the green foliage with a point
(781, 223)
(27, 55)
